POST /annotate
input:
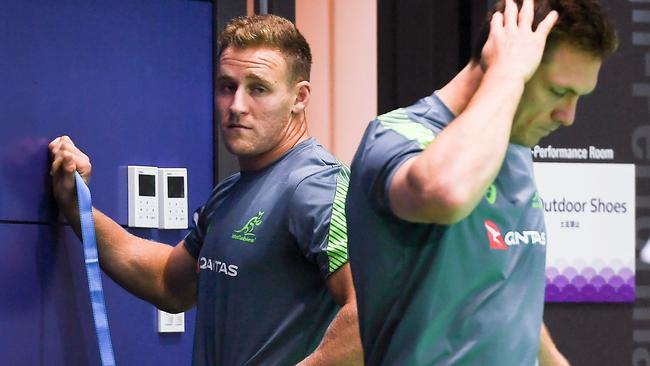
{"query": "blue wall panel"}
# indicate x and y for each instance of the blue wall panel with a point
(130, 81)
(43, 317)
(45, 313)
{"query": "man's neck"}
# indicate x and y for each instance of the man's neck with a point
(459, 91)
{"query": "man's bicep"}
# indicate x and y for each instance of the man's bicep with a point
(181, 262)
(407, 200)
(382, 171)
(340, 285)
(181, 272)
(415, 194)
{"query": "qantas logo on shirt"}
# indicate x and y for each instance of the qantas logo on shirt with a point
(494, 235)
(218, 266)
(500, 242)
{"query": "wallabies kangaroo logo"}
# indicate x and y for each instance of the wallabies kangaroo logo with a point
(246, 233)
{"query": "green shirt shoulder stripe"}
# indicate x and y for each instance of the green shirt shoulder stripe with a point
(399, 121)
(337, 244)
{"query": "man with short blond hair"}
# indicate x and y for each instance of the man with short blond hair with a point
(273, 286)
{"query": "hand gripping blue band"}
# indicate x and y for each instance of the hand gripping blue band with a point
(94, 273)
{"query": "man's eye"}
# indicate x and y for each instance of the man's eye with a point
(227, 88)
(258, 89)
(558, 92)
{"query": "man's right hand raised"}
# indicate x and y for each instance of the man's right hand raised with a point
(66, 159)
(512, 46)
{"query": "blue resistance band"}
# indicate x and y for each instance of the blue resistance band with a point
(94, 273)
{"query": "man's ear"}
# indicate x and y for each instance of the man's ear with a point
(303, 93)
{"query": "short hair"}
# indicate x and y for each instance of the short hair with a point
(582, 24)
(270, 31)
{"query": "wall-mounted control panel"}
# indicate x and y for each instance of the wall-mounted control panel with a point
(172, 183)
(157, 197)
(143, 196)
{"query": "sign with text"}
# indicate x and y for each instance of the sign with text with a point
(590, 215)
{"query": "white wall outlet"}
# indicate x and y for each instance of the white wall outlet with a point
(170, 323)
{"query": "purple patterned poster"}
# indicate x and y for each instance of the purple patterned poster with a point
(590, 216)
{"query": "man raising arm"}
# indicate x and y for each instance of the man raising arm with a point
(436, 188)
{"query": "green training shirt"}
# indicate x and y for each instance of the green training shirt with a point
(465, 294)
(266, 242)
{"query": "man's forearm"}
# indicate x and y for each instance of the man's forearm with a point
(548, 353)
(158, 273)
(454, 171)
(136, 264)
(341, 344)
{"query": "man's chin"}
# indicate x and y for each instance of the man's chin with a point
(235, 149)
(525, 142)
(242, 151)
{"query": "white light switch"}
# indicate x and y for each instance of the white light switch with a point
(143, 196)
(170, 323)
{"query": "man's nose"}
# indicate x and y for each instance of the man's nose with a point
(239, 103)
(565, 113)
